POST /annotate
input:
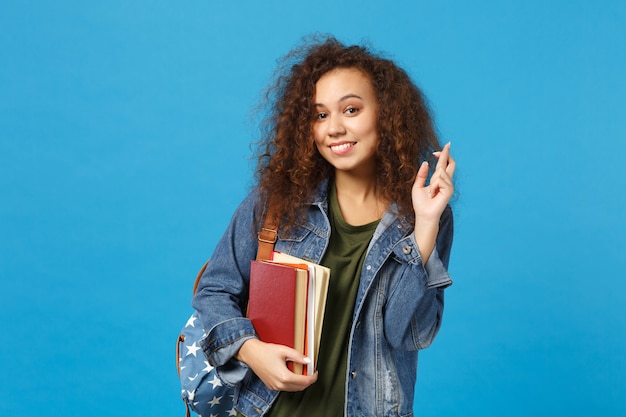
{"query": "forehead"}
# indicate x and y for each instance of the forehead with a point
(340, 82)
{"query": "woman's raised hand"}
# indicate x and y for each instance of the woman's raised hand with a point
(430, 200)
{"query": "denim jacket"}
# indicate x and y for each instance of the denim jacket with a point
(398, 308)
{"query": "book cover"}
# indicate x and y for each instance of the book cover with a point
(277, 304)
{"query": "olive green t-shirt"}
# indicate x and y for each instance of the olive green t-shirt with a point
(345, 256)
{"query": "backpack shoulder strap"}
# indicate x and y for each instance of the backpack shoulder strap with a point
(267, 235)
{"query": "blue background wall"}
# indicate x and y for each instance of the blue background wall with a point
(124, 146)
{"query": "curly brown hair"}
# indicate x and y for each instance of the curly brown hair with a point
(290, 167)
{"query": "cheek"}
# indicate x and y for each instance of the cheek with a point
(318, 136)
(372, 127)
(320, 147)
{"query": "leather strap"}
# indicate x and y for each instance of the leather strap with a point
(267, 238)
(197, 281)
(267, 235)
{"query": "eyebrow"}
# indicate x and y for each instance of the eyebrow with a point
(347, 96)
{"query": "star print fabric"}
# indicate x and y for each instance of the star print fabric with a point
(201, 389)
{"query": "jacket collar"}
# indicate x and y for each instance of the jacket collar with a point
(398, 226)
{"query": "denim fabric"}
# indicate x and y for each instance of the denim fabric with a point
(398, 308)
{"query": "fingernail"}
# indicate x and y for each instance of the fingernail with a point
(307, 360)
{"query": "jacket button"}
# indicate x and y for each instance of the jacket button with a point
(406, 249)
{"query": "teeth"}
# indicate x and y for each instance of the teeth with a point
(342, 147)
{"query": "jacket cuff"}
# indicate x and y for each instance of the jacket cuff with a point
(222, 343)
(437, 275)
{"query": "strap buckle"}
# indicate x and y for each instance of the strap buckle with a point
(268, 235)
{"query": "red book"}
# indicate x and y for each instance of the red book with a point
(273, 303)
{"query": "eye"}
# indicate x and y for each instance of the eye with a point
(321, 115)
(351, 110)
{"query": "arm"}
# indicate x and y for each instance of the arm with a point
(231, 344)
(429, 312)
(221, 296)
(415, 306)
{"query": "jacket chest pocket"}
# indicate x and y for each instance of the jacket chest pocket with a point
(307, 242)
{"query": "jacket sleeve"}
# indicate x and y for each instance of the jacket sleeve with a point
(414, 308)
(222, 295)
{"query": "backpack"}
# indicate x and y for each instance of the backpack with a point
(201, 389)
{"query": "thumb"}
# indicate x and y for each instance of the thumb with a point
(304, 360)
(292, 355)
(422, 174)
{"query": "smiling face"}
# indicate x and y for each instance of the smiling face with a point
(345, 125)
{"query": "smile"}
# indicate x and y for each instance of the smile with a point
(342, 147)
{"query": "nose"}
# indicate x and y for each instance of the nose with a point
(335, 126)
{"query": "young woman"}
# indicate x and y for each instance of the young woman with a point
(344, 163)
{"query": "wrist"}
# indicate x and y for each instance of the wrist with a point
(246, 347)
(427, 221)
(425, 234)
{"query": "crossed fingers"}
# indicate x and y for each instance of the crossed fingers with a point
(441, 179)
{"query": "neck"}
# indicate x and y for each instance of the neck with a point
(359, 198)
(357, 187)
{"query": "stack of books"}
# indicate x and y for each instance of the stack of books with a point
(286, 304)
